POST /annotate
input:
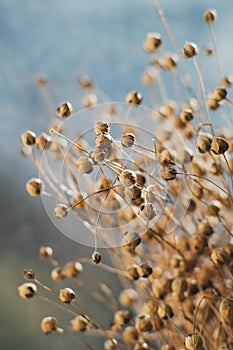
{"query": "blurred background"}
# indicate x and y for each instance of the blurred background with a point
(66, 39)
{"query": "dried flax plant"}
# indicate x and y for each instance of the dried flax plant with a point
(159, 197)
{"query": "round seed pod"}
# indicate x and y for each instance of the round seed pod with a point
(204, 228)
(79, 323)
(220, 93)
(128, 140)
(29, 274)
(131, 239)
(210, 15)
(216, 169)
(61, 211)
(165, 312)
(212, 103)
(198, 243)
(144, 270)
(134, 98)
(147, 211)
(208, 50)
(110, 344)
(49, 324)
(57, 274)
(179, 285)
(204, 141)
(193, 341)
(28, 138)
(128, 296)
(103, 141)
(140, 178)
(165, 157)
(130, 335)
(186, 115)
(219, 145)
(84, 165)
(98, 155)
(127, 178)
(226, 311)
(66, 295)
(89, 100)
(149, 76)
(101, 127)
(85, 82)
(73, 269)
(189, 50)
(152, 42)
(219, 257)
(212, 209)
(45, 252)
(226, 81)
(43, 142)
(143, 323)
(133, 192)
(34, 187)
(41, 80)
(132, 273)
(96, 257)
(182, 243)
(122, 317)
(64, 110)
(169, 62)
(27, 290)
(168, 172)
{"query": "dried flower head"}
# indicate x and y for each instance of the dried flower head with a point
(66, 295)
(128, 140)
(73, 269)
(134, 98)
(27, 290)
(127, 178)
(193, 341)
(189, 50)
(210, 15)
(45, 252)
(34, 187)
(64, 110)
(152, 42)
(101, 127)
(96, 257)
(28, 138)
(49, 324)
(84, 165)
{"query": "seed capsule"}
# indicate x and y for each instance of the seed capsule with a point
(134, 192)
(165, 311)
(84, 165)
(131, 240)
(144, 270)
(89, 101)
(98, 155)
(147, 211)
(210, 15)
(134, 98)
(204, 228)
(66, 295)
(226, 311)
(45, 252)
(141, 346)
(85, 82)
(27, 290)
(128, 296)
(96, 257)
(198, 243)
(64, 110)
(130, 335)
(212, 103)
(219, 257)
(169, 62)
(61, 211)
(168, 172)
(128, 140)
(79, 323)
(57, 274)
(193, 341)
(127, 178)
(110, 344)
(204, 141)
(49, 324)
(220, 93)
(189, 50)
(186, 115)
(28, 138)
(43, 142)
(132, 273)
(143, 323)
(104, 141)
(29, 274)
(34, 187)
(73, 269)
(101, 127)
(152, 42)
(219, 145)
(122, 317)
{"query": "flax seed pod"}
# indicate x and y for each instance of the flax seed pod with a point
(127, 178)
(168, 172)
(219, 145)
(45, 252)
(210, 15)
(28, 138)
(132, 273)
(43, 142)
(73, 269)
(57, 274)
(141, 346)
(85, 82)
(96, 257)
(212, 209)
(204, 141)
(179, 287)
(133, 192)
(152, 42)
(130, 335)
(198, 243)
(29, 274)
(49, 324)
(147, 211)
(219, 257)
(101, 127)
(128, 297)
(34, 187)
(98, 155)
(131, 239)
(66, 295)
(122, 317)
(193, 341)
(165, 311)
(165, 157)
(89, 100)
(128, 140)
(144, 324)
(226, 311)
(27, 290)
(110, 344)
(61, 211)
(189, 50)
(84, 165)
(103, 141)
(227, 81)
(144, 270)
(169, 62)
(220, 93)
(204, 228)
(140, 178)
(186, 115)
(149, 76)
(64, 110)
(134, 98)
(212, 103)
(79, 323)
